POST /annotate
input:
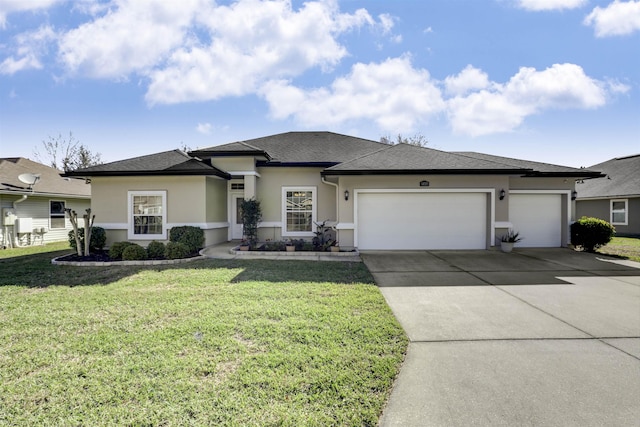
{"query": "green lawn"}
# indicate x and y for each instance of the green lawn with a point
(206, 343)
(625, 247)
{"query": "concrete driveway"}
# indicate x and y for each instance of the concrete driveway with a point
(538, 337)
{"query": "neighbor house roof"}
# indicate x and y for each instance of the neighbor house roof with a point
(50, 182)
(174, 162)
(622, 179)
(297, 148)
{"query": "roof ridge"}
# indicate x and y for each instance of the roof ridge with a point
(368, 154)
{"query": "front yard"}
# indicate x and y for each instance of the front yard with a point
(624, 247)
(206, 343)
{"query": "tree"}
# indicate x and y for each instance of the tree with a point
(66, 154)
(418, 140)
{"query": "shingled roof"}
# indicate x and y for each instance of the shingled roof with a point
(540, 169)
(622, 179)
(407, 159)
(50, 182)
(297, 148)
(174, 162)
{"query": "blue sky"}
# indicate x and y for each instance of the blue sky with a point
(556, 81)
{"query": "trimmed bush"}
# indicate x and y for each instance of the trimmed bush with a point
(134, 252)
(176, 250)
(191, 237)
(98, 238)
(155, 250)
(591, 233)
(115, 251)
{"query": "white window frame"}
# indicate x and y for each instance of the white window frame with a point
(63, 215)
(625, 211)
(130, 232)
(314, 210)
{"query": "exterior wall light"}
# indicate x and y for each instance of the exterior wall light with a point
(346, 194)
(574, 195)
(502, 194)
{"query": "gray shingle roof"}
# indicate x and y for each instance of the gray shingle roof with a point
(174, 162)
(403, 158)
(623, 179)
(300, 147)
(50, 180)
(540, 168)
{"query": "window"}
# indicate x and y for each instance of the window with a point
(299, 211)
(147, 215)
(237, 186)
(56, 214)
(619, 212)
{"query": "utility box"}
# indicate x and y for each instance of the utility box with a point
(8, 217)
(24, 225)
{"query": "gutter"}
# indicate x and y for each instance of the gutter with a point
(16, 242)
(324, 181)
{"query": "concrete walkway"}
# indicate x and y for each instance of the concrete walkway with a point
(539, 337)
(225, 251)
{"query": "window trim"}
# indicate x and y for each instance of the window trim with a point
(625, 211)
(63, 215)
(314, 211)
(130, 231)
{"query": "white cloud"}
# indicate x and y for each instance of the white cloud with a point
(12, 6)
(540, 5)
(134, 36)
(469, 79)
(29, 47)
(204, 128)
(393, 94)
(503, 107)
(617, 19)
(252, 42)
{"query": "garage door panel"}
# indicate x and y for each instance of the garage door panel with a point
(422, 221)
(538, 219)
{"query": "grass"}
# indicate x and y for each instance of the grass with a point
(624, 247)
(214, 342)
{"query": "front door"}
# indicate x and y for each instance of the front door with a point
(236, 216)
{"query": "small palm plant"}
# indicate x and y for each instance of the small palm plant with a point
(511, 237)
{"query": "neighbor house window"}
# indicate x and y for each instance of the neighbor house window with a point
(619, 212)
(147, 215)
(56, 214)
(299, 210)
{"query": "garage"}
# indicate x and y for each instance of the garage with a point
(421, 220)
(538, 219)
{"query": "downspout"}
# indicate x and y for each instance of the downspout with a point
(15, 208)
(337, 201)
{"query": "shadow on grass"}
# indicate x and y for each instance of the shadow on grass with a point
(36, 271)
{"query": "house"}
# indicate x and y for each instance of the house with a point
(375, 196)
(615, 198)
(33, 198)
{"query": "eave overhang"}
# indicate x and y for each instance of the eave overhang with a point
(427, 172)
(217, 173)
(230, 153)
(277, 164)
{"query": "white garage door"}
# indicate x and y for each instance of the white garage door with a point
(538, 219)
(422, 221)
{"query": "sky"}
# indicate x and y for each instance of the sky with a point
(554, 81)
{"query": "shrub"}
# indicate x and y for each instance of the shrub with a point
(155, 250)
(191, 237)
(115, 251)
(176, 250)
(98, 239)
(251, 216)
(591, 233)
(134, 252)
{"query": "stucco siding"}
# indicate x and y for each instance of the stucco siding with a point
(269, 193)
(216, 200)
(234, 164)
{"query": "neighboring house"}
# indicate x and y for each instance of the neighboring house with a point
(35, 213)
(376, 196)
(615, 198)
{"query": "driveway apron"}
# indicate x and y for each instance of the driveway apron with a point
(538, 337)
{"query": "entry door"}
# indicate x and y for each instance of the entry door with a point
(236, 216)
